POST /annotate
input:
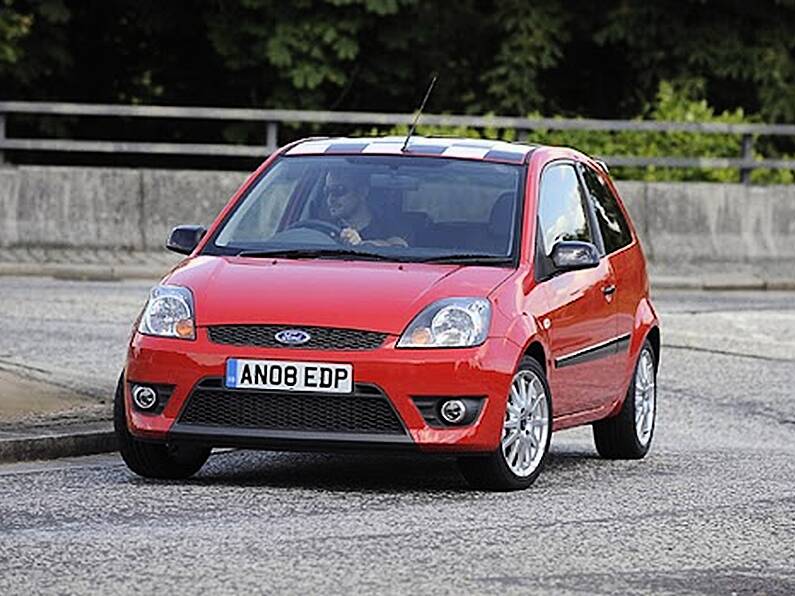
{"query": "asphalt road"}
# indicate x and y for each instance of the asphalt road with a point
(711, 510)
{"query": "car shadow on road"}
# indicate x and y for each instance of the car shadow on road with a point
(379, 472)
(336, 472)
(570, 459)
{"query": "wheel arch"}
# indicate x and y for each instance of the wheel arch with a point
(653, 336)
(646, 325)
(529, 337)
(535, 349)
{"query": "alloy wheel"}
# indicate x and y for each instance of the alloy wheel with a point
(526, 425)
(645, 397)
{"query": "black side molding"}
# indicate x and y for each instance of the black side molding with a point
(608, 348)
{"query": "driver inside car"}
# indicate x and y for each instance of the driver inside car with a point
(346, 199)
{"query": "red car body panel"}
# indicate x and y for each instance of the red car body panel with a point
(384, 296)
(561, 317)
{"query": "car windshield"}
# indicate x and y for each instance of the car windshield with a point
(402, 208)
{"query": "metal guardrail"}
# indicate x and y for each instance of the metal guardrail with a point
(272, 120)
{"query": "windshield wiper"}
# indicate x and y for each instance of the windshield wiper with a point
(314, 253)
(467, 259)
(347, 253)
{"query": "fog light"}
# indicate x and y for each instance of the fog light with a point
(144, 397)
(453, 411)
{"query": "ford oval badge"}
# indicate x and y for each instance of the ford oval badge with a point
(292, 337)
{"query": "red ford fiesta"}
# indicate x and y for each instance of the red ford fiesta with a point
(451, 295)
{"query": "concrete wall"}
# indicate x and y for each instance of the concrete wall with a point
(135, 209)
(106, 207)
(702, 221)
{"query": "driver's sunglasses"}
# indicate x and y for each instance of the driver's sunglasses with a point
(337, 190)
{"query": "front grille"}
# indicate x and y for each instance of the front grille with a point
(367, 410)
(321, 338)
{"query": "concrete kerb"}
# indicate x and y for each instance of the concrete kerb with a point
(57, 442)
(781, 285)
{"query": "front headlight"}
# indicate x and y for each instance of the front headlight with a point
(449, 323)
(169, 313)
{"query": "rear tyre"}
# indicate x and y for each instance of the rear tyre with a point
(153, 460)
(524, 442)
(628, 435)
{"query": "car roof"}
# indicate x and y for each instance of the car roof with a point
(477, 149)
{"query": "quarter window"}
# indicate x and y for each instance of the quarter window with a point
(614, 228)
(561, 211)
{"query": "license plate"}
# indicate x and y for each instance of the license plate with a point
(289, 376)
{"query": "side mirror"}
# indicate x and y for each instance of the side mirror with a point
(184, 239)
(572, 255)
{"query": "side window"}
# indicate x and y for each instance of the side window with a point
(614, 228)
(561, 210)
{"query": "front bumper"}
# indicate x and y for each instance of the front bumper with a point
(401, 375)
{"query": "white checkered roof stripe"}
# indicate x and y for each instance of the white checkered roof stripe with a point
(443, 147)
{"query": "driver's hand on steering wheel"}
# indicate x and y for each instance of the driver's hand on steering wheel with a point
(351, 236)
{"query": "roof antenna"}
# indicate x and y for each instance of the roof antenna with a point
(419, 113)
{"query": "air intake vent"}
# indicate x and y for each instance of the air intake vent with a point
(367, 410)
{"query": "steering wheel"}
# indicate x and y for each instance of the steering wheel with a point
(331, 230)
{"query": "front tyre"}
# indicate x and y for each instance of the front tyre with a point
(628, 435)
(153, 460)
(526, 432)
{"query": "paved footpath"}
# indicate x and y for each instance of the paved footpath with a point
(711, 510)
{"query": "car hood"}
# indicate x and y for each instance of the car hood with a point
(373, 296)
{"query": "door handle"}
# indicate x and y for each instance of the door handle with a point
(609, 290)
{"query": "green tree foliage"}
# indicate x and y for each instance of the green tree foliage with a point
(729, 59)
(32, 37)
(347, 54)
(534, 38)
(303, 54)
(743, 52)
(572, 57)
(670, 105)
(685, 104)
(14, 27)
